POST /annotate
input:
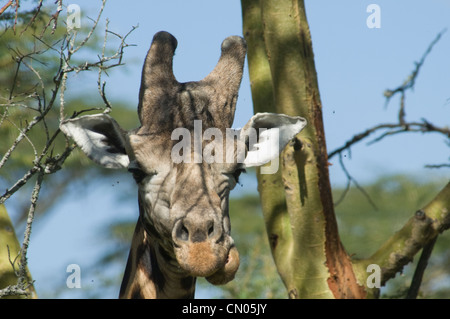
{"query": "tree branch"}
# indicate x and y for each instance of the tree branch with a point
(392, 129)
(419, 231)
(23, 285)
(44, 161)
(350, 179)
(6, 6)
(420, 269)
(23, 278)
(410, 81)
(403, 126)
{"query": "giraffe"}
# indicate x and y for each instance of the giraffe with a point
(183, 230)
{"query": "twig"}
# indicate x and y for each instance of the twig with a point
(420, 269)
(54, 18)
(402, 126)
(55, 162)
(437, 165)
(22, 135)
(38, 9)
(423, 127)
(12, 262)
(27, 138)
(411, 79)
(56, 15)
(19, 183)
(13, 85)
(101, 87)
(45, 162)
(26, 240)
(359, 187)
(36, 73)
(16, 15)
(72, 51)
(5, 114)
(6, 6)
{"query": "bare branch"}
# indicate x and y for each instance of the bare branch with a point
(45, 162)
(74, 50)
(38, 10)
(389, 129)
(392, 129)
(410, 81)
(26, 240)
(437, 166)
(6, 6)
(101, 87)
(350, 179)
(420, 270)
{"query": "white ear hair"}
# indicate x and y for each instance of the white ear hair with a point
(274, 131)
(100, 137)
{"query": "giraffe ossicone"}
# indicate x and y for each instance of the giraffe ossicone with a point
(183, 230)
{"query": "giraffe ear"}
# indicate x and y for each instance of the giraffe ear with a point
(267, 134)
(100, 137)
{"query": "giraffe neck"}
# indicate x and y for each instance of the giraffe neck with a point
(150, 275)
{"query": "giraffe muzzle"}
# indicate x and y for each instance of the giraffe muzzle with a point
(202, 249)
(228, 271)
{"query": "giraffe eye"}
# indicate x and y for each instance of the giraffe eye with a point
(237, 173)
(137, 173)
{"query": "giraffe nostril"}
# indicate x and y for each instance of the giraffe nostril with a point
(180, 232)
(211, 230)
(184, 233)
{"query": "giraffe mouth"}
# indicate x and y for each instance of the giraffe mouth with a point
(213, 261)
(228, 271)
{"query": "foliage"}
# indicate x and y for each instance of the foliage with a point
(38, 58)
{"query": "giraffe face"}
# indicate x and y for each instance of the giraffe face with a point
(185, 207)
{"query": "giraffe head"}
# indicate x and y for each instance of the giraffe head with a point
(185, 158)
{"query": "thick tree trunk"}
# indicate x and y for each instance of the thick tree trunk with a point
(297, 201)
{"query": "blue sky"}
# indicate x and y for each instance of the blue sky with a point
(355, 65)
